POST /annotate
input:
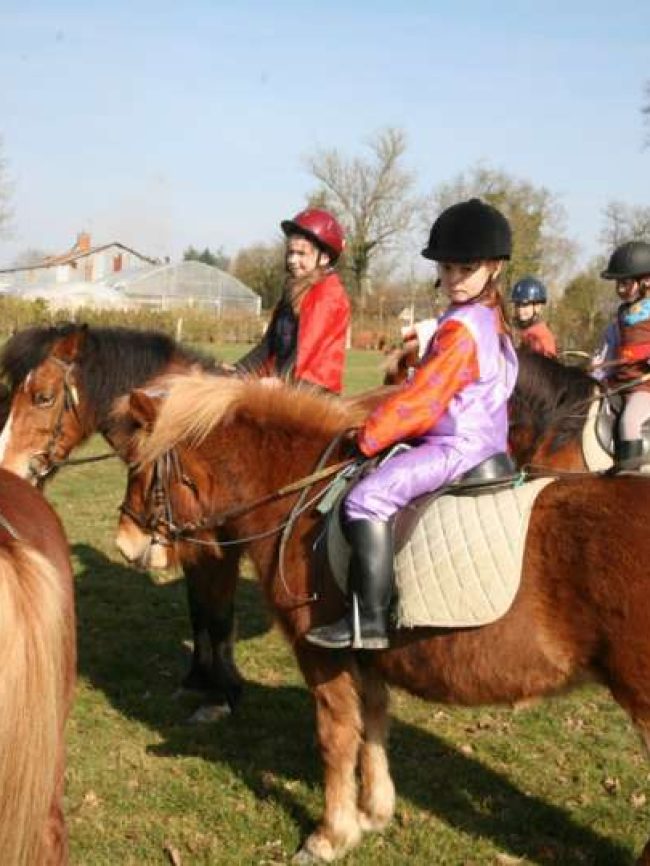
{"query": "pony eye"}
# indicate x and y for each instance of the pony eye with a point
(43, 401)
(189, 482)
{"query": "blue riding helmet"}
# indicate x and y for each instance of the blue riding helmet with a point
(528, 290)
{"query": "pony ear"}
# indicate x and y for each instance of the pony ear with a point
(144, 408)
(69, 348)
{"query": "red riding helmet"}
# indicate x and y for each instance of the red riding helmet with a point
(319, 227)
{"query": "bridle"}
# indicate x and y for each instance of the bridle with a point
(157, 517)
(42, 463)
(158, 522)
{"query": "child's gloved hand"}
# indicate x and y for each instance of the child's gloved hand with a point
(351, 441)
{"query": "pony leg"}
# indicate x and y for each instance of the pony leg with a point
(377, 793)
(211, 585)
(335, 687)
(632, 699)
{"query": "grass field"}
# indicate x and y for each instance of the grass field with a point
(562, 782)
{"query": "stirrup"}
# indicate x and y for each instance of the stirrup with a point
(631, 455)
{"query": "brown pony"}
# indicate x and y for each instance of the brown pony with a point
(582, 610)
(37, 674)
(64, 383)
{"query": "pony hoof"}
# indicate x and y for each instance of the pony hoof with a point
(373, 823)
(316, 849)
(207, 715)
(303, 858)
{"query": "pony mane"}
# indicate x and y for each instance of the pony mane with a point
(112, 361)
(551, 396)
(197, 403)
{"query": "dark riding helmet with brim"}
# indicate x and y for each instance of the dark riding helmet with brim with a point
(628, 261)
(469, 231)
(528, 290)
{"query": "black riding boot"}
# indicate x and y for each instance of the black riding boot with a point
(631, 454)
(370, 585)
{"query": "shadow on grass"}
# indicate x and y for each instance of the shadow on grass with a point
(130, 632)
(134, 632)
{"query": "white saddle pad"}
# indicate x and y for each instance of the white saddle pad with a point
(462, 563)
(595, 456)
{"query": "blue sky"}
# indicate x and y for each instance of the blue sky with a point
(163, 124)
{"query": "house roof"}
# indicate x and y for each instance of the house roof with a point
(74, 255)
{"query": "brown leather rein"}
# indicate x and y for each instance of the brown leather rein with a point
(157, 518)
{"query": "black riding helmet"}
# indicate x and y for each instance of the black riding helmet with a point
(628, 261)
(469, 231)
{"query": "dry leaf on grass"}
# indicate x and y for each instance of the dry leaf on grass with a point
(612, 785)
(638, 799)
(91, 799)
(173, 854)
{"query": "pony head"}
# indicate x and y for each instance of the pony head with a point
(44, 422)
(162, 502)
(195, 454)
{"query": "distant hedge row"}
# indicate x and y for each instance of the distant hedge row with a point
(188, 324)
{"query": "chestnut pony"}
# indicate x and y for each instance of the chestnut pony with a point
(37, 674)
(64, 383)
(230, 447)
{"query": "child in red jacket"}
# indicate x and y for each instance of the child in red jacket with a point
(305, 341)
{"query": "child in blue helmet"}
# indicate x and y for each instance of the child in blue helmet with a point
(528, 297)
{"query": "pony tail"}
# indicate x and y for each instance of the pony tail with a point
(492, 298)
(34, 632)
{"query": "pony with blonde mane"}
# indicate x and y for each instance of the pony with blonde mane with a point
(234, 448)
(37, 673)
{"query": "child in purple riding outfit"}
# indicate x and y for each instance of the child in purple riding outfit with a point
(453, 413)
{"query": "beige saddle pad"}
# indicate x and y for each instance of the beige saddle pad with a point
(595, 456)
(461, 565)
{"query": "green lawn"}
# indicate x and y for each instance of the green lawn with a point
(562, 782)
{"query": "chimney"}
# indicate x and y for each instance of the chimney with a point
(83, 242)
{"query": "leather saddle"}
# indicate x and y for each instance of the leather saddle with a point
(493, 474)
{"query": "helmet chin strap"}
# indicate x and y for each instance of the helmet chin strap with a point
(522, 324)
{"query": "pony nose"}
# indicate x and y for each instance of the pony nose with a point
(131, 546)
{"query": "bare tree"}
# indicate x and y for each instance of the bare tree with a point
(29, 257)
(372, 197)
(261, 268)
(587, 305)
(6, 191)
(624, 222)
(540, 246)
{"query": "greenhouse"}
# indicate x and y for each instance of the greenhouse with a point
(186, 283)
